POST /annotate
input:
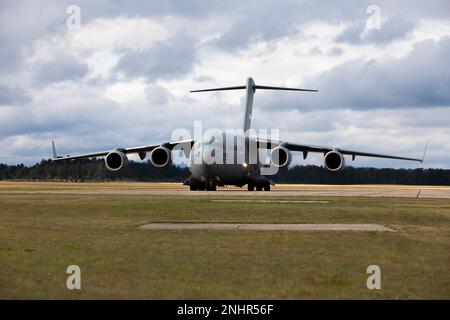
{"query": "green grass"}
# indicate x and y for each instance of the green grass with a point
(41, 234)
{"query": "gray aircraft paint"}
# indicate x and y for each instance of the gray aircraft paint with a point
(243, 169)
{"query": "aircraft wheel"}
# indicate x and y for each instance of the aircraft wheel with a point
(193, 187)
(259, 187)
(250, 187)
(211, 186)
(267, 187)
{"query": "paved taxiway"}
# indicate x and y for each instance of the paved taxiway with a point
(178, 189)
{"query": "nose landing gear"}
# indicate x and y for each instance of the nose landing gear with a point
(260, 185)
(211, 186)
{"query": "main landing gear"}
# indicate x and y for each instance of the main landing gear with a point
(209, 186)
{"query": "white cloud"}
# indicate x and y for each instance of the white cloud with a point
(143, 58)
(117, 34)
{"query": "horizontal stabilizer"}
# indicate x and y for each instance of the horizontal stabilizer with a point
(283, 88)
(250, 89)
(220, 89)
(254, 88)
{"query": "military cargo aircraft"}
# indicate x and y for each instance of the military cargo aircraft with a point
(231, 158)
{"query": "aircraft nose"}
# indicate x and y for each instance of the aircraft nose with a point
(210, 169)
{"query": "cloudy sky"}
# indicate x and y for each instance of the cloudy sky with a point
(121, 77)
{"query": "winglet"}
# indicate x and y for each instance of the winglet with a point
(424, 152)
(55, 156)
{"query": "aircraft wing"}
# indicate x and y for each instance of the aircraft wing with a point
(320, 149)
(184, 145)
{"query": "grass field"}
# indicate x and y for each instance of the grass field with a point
(42, 234)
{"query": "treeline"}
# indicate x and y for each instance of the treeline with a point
(351, 175)
(91, 170)
(94, 170)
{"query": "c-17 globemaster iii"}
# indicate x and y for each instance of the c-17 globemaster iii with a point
(222, 160)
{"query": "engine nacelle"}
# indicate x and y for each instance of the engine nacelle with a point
(161, 157)
(334, 161)
(280, 157)
(116, 160)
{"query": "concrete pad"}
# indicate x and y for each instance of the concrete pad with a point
(189, 226)
(270, 201)
(265, 226)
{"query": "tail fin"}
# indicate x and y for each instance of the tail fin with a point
(249, 93)
(250, 89)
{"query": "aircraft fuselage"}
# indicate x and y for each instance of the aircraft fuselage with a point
(223, 161)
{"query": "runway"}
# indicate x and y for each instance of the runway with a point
(177, 189)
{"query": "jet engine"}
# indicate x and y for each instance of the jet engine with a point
(334, 161)
(116, 160)
(161, 157)
(280, 157)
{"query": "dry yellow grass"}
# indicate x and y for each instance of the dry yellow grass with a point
(42, 233)
(28, 185)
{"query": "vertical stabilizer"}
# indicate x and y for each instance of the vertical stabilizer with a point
(249, 93)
